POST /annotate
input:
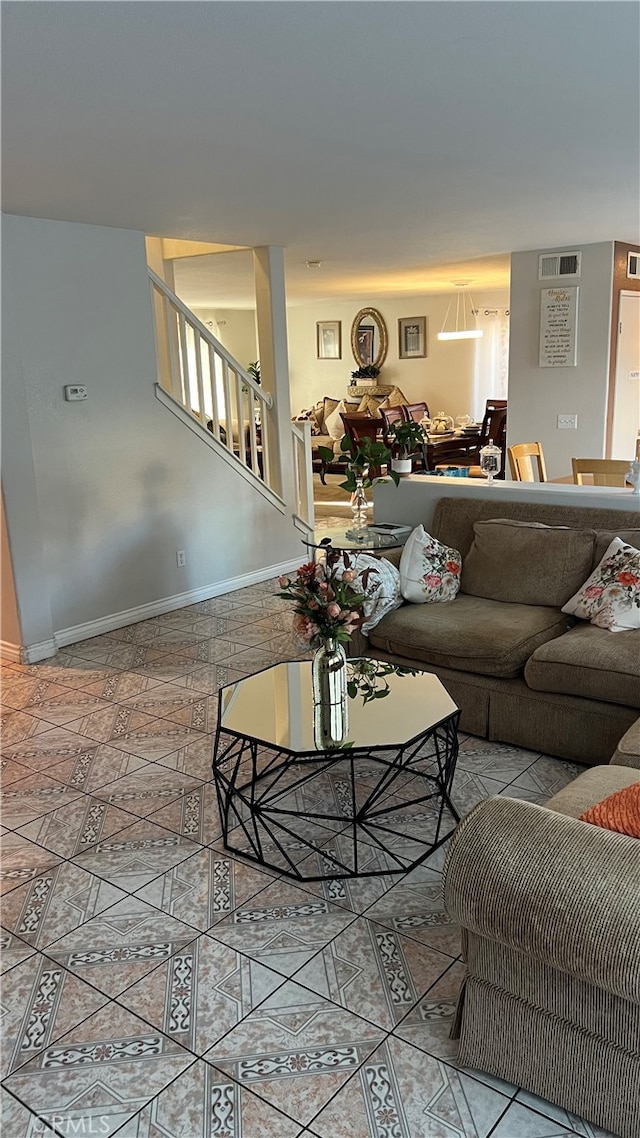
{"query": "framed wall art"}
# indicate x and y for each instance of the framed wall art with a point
(329, 339)
(412, 337)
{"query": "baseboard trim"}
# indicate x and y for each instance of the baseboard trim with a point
(103, 624)
(11, 652)
(27, 653)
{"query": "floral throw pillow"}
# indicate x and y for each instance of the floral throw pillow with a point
(610, 597)
(429, 571)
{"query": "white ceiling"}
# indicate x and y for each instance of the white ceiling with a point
(405, 145)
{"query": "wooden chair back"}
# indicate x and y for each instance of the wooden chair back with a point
(521, 462)
(392, 415)
(359, 426)
(415, 411)
(605, 471)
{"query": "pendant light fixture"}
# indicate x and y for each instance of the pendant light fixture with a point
(464, 330)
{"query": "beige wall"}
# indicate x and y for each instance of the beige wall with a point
(444, 379)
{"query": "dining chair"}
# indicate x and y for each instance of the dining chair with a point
(390, 416)
(521, 462)
(605, 471)
(415, 411)
(359, 426)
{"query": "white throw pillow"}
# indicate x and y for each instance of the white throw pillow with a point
(383, 592)
(610, 597)
(333, 425)
(429, 571)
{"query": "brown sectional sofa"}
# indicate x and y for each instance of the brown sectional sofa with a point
(525, 674)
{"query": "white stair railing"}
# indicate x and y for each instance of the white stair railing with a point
(209, 383)
(200, 375)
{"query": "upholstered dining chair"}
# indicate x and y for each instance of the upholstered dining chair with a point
(359, 426)
(605, 471)
(523, 458)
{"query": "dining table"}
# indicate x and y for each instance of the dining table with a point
(451, 448)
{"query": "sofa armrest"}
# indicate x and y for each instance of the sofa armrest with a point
(556, 889)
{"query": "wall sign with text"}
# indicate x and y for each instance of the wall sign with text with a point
(559, 327)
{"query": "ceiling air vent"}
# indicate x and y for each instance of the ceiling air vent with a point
(633, 266)
(558, 265)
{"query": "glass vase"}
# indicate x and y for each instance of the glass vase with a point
(359, 504)
(329, 679)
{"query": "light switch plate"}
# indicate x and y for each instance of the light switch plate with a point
(567, 422)
(74, 391)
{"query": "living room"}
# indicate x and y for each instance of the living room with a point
(154, 980)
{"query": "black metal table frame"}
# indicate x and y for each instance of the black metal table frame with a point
(238, 795)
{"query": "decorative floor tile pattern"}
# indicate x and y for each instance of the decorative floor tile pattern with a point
(295, 1050)
(155, 984)
(201, 992)
(205, 1102)
(41, 1002)
(62, 899)
(399, 1092)
(110, 1065)
(205, 887)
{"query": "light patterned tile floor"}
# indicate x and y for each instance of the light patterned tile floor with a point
(155, 984)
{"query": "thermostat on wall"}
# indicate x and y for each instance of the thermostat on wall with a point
(72, 391)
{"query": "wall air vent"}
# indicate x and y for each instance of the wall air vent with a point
(558, 265)
(633, 266)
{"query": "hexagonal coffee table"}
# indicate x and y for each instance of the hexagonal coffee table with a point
(378, 804)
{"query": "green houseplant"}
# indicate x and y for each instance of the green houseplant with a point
(359, 461)
(408, 437)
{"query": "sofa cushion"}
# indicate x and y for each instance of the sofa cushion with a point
(610, 597)
(470, 634)
(333, 424)
(372, 405)
(619, 812)
(588, 662)
(429, 571)
(328, 406)
(526, 563)
(590, 787)
(396, 398)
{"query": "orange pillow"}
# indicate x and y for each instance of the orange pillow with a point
(620, 812)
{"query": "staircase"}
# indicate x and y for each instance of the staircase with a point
(216, 397)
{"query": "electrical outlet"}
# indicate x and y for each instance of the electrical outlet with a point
(181, 558)
(567, 422)
(74, 391)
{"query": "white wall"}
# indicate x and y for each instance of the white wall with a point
(444, 379)
(538, 395)
(237, 331)
(111, 487)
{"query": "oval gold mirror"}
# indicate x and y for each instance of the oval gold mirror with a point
(369, 338)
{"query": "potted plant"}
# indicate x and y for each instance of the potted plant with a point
(367, 375)
(408, 437)
(359, 461)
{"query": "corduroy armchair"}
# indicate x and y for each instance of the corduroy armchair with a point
(550, 914)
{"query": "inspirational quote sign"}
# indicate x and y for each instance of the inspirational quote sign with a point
(558, 327)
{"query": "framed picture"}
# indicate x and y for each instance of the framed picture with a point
(412, 337)
(365, 344)
(329, 339)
